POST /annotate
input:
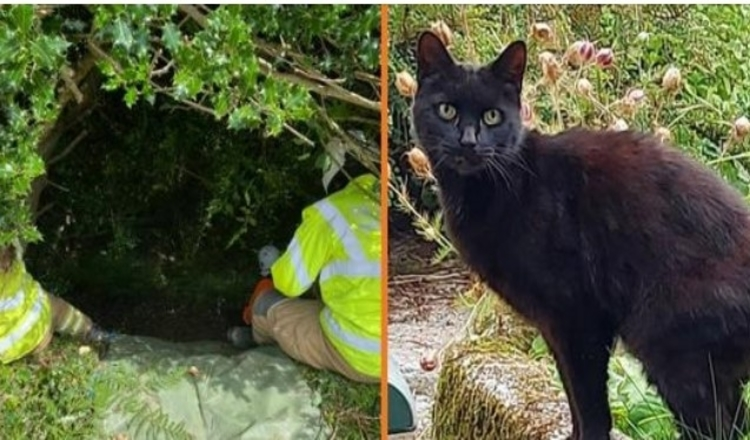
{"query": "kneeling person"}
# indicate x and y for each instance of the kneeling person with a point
(29, 315)
(338, 243)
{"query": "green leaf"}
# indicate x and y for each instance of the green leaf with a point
(46, 51)
(122, 34)
(131, 96)
(243, 117)
(187, 84)
(171, 37)
(23, 18)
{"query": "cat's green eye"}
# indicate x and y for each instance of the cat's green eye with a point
(492, 117)
(447, 111)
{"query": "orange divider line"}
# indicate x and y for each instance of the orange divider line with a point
(384, 176)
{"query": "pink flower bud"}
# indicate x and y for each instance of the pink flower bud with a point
(636, 95)
(419, 163)
(429, 361)
(672, 79)
(551, 70)
(741, 128)
(604, 58)
(406, 84)
(580, 52)
(542, 32)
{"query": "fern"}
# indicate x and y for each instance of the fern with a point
(127, 392)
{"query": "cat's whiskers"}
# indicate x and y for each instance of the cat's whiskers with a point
(440, 162)
(515, 157)
(490, 169)
(501, 170)
(442, 157)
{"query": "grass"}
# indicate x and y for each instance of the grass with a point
(50, 397)
(53, 397)
(351, 409)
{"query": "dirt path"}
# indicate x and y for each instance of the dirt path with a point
(423, 315)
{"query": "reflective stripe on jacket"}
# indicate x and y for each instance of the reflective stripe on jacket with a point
(25, 316)
(338, 243)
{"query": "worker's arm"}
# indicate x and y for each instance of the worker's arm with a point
(298, 267)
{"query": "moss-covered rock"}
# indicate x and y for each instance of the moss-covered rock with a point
(498, 394)
(491, 387)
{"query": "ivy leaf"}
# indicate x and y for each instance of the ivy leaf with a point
(23, 16)
(274, 123)
(131, 96)
(243, 117)
(46, 50)
(221, 104)
(187, 84)
(171, 37)
(122, 35)
(8, 46)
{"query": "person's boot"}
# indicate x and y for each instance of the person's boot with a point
(97, 335)
(100, 339)
(241, 337)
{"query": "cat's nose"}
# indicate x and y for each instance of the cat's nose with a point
(469, 137)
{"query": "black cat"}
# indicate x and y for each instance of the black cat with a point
(592, 235)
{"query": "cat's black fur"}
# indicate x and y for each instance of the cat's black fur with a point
(594, 235)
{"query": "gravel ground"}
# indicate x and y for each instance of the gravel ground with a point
(424, 314)
(412, 337)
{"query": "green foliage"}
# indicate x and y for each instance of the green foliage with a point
(302, 75)
(177, 139)
(636, 407)
(351, 409)
(51, 399)
(28, 59)
(705, 42)
(124, 391)
(183, 184)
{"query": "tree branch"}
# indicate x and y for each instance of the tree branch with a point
(67, 76)
(193, 12)
(69, 149)
(321, 85)
(43, 210)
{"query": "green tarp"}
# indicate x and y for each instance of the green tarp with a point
(155, 389)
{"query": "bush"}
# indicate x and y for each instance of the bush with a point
(263, 73)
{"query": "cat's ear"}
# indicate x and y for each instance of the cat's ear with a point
(432, 56)
(511, 63)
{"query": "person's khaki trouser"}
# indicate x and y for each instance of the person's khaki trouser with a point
(66, 320)
(294, 324)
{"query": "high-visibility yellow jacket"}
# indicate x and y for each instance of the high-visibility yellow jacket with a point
(25, 316)
(339, 242)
